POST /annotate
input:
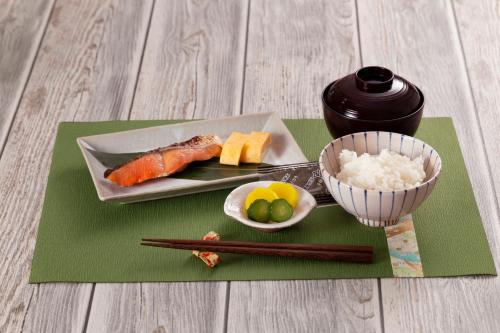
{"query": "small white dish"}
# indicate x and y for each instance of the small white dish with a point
(283, 150)
(235, 207)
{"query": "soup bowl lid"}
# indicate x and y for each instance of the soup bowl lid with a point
(373, 93)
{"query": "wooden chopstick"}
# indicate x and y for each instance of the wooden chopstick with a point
(215, 246)
(295, 246)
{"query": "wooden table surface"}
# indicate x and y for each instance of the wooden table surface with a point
(71, 60)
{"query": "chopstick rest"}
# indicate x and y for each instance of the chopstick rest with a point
(211, 259)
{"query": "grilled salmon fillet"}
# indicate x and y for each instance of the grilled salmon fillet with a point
(165, 161)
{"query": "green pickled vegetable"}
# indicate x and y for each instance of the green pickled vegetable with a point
(281, 210)
(259, 211)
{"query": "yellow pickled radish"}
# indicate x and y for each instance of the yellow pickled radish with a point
(285, 191)
(260, 193)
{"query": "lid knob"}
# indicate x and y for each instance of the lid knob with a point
(374, 79)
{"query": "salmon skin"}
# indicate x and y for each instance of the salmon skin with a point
(162, 162)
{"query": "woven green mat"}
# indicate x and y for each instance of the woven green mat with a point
(81, 239)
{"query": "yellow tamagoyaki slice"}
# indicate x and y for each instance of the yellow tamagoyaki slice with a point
(231, 150)
(255, 147)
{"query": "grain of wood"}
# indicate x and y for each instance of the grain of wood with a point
(304, 306)
(22, 24)
(158, 307)
(192, 68)
(193, 62)
(86, 69)
(479, 28)
(419, 40)
(295, 48)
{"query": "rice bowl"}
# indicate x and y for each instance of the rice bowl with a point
(374, 207)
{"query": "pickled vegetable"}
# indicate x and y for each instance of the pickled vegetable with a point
(260, 193)
(281, 210)
(286, 191)
(259, 210)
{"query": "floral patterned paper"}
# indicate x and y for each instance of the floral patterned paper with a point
(403, 249)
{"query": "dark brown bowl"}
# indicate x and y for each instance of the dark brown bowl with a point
(372, 99)
(340, 125)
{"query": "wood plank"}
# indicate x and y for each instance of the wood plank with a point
(158, 307)
(192, 67)
(419, 40)
(479, 26)
(294, 49)
(86, 70)
(304, 306)
(193, 62)
(22, 24)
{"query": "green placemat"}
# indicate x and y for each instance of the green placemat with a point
(81, 239)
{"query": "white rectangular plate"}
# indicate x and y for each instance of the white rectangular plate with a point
(283, 150)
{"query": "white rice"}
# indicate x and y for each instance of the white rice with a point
(388, 171)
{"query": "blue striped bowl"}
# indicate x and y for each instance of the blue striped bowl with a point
(372, 207)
